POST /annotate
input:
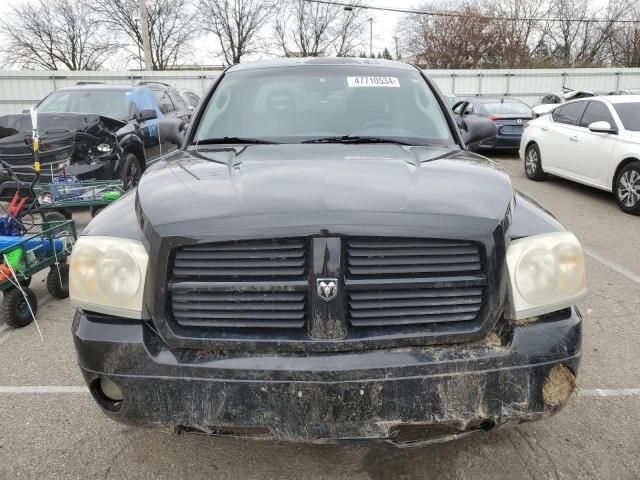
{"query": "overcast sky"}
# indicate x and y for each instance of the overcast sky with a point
(384, 24)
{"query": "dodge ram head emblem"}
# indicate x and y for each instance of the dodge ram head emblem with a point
(327, 288)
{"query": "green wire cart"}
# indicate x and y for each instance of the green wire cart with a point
(22, 257)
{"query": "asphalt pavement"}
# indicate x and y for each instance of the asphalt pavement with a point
(51, 428)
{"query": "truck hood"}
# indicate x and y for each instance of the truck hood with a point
(229, 188)
(20, 123)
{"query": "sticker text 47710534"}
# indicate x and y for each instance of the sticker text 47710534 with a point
(354, 82)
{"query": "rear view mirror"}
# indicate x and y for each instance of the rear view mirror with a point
(477, 129)
(602, 127)
(144, 115)
(171, 130)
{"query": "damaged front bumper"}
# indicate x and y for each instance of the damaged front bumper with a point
(103, 169)
(407, 397)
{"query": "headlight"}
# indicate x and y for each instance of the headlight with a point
(107, 275)
(547, 273)
(104, 148)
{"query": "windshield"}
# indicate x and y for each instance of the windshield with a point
(507, 107)
(629, 113)
(303, 103)
(108, 103)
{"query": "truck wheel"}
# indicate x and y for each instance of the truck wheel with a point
(131, 171)
(533, 163)
(15, 309)
(56, 288)
(627, 189)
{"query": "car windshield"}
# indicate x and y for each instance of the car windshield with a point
(324, 103)
(109, 103)
(506, 107)
(629, 113)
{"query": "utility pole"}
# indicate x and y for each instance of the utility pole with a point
(144, 30)
(371, 37)
(397, 50)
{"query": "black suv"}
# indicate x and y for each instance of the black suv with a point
(323, 259)
(93, 131)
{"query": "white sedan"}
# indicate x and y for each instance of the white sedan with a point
(594, 141)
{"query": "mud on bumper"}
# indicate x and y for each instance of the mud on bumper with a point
(406, 396)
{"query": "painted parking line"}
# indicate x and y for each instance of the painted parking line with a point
(612, 265)
(607, 392)
(42, 389)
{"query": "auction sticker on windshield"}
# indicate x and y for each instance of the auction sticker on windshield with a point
(373, 82)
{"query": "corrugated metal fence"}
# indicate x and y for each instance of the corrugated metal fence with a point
(22, 89)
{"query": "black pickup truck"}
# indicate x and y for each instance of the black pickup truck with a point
(323, 259)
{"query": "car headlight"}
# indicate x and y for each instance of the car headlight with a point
(104, 148)
(547, 273)
(107, 275)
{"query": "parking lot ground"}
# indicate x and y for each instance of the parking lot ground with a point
(51, 428)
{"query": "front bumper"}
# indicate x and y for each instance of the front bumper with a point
(101, 170)
(408, 396)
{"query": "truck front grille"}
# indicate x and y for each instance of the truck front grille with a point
(234, 308)
(395, 282)
(381, 257)
(242, 260)
(54, 148)
(268, 289)
(250, 284)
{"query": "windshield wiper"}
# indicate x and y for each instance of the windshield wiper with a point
(356, 139)
(233, 140)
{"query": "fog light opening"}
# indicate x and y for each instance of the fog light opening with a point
(107, 393)
(558, 386)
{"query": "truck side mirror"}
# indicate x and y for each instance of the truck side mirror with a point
(144, 115)
(476, 129)
(171, 130)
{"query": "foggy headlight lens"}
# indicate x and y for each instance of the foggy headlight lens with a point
(547, 273)
(537, 275)
(118, 275)
(107, 275)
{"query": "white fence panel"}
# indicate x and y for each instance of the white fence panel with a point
(22, 89)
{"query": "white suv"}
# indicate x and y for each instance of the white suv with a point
(594, 141)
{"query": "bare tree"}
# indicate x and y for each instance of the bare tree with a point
(54, 34)
(349, 28)
(519, 27)
(172, 26)
(624, 43)
(465, 40)
(575, 39)
(236, 25)
(311, 29)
